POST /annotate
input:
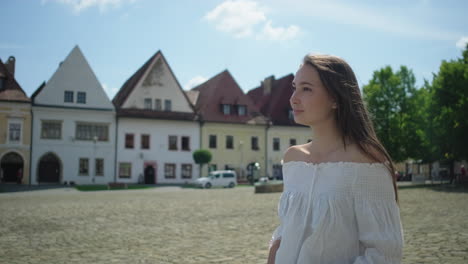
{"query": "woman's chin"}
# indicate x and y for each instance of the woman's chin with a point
(299, 121)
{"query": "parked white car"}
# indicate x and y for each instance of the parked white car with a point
(224, 178)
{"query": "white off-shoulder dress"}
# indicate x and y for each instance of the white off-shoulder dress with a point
(338, 212)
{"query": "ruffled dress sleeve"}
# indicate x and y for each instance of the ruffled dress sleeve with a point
(282, 204)
(380, 231)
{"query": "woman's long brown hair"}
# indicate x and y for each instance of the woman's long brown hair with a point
(351, 114)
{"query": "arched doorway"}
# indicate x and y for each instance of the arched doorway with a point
(49, 169)
(12, 167)
(149, 175)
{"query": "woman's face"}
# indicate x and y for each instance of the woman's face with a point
(310, 101)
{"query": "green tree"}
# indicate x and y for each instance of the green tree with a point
(450, 102)
(392, 100)
(201, 157)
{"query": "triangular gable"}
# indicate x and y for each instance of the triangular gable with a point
(73, 74)
(11, 90)
(158, 80)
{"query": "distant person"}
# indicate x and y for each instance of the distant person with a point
(19, 176)
(340, 202)
(463, 171)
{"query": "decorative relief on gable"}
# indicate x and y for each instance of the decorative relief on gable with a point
(154, 78)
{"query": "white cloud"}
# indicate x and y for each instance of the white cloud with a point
(236, 17)
(81, 5)
(111, 91)
(278, 33)
(194, 82)
(244, 18)
(461, 43)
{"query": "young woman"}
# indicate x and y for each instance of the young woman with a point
(340, 202)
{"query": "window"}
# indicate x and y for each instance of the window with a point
(292, 142)
(91, 131)
(84, 166)
(212, 167)
(167, 105)
(129, 141)
(172, 142)
(276, 144)
(51, 130)
(169, 171)
(212, 141)
(14, 132)
(68, 97)
(229, 142)
(254, 143)
(185, 143)
(157, 105)
(186, 171)
(228, 175)
(226, 109)
(241, 110)
(291, 114)
(2, 82)
(145, 141)
(99, 167)
(125, 170)
(81, 98)
(148, 104)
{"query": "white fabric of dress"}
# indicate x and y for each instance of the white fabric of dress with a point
(337, 213)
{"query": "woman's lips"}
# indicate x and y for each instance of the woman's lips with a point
(297, 111)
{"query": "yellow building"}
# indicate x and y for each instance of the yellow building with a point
(15, 127)
(232, 128)
(234, 146)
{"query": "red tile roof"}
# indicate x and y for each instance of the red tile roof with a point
(223, 89)
(11, 90)
(275, 104)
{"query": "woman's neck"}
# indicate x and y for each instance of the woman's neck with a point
(326, 138)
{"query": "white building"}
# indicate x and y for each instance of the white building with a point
(157, 127)
(73, 127)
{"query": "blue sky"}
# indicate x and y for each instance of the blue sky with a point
(252, 39)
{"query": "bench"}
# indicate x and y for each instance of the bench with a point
(269, 188)
(116, 185)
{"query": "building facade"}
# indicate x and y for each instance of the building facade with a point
(73, 127)
(158, 129)
(272, 98)
(15, 124)
(232, 128)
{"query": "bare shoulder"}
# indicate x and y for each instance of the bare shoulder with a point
(296, 153)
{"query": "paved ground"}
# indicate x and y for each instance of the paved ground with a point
(172, 225)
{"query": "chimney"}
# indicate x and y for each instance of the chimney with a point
(267, 84)
(10, 65)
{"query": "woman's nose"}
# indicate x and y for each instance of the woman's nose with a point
(294, 99)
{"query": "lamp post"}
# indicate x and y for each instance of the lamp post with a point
(241, 143)
(95, 138)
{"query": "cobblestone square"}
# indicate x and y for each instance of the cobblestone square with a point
(174, 225)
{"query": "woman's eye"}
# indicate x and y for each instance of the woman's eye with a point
(294, 88)
(307, 89)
